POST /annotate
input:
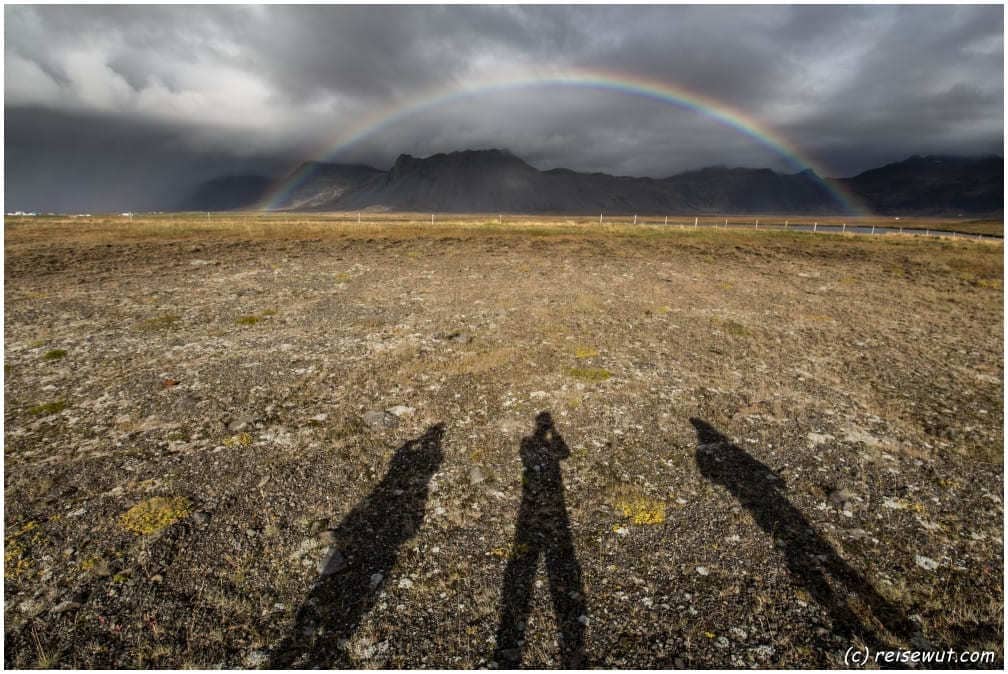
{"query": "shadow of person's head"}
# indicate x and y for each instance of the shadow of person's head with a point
(719, 460)
(545, 443)
(722, 461)
(421, 457)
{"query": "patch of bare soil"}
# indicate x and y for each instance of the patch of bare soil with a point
(493, 449)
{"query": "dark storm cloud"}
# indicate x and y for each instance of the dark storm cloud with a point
(151, 99)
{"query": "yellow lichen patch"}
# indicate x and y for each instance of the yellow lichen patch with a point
(994, 283)
(734, 328)
(165, 322)
(643, 511)
(582, 351)
(240, 440)
(589, 373)
(639, 508)
(154, 514)
(16, 561)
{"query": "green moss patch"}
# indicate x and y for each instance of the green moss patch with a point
(45, 409)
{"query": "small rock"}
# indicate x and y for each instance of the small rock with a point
(858, 435)
(240, 424)
(201, 518)
(400, 411)
(31, 607)
(476, 475)
(376, 580)
(319, 418)
(926, 563)
(841, 498)
(378, 419)
(327, 536)
(66, 606)
(157, 579)
(722, 642)
(307, 546)
(405, 584)
(702, 570)
(331, 563)
(256, 658)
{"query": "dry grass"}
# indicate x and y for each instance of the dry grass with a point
(871, 365)
(259, 226)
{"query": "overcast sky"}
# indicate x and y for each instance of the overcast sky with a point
(130, 107)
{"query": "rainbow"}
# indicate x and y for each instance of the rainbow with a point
(592, 79)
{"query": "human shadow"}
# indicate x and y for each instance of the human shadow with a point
(810, 558)
(542, 529)
(366, 545)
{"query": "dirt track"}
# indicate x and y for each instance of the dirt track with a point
(763, 448)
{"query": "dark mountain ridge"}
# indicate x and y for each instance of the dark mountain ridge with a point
(473, 181)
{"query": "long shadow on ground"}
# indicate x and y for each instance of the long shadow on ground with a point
(810, 558)
(542, 529)
(367, 544)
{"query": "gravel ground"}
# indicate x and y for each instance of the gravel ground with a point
(466, 447)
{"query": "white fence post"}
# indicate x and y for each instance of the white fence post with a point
(815, 227)
(635, 218)
(696, 222)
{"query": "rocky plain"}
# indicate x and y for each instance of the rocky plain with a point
(283, 441)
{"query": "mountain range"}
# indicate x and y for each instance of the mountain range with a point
(492, 181)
